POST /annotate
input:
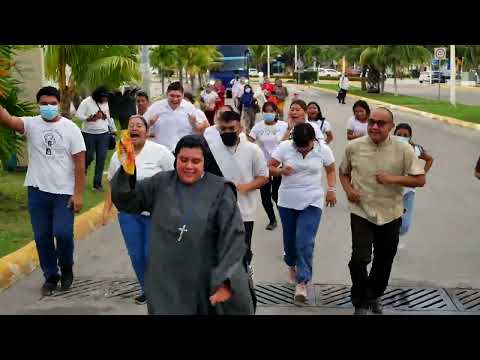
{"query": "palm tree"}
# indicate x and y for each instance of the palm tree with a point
(258, 54)
(163, 58)
(10, 142)
(83, 67)
(394, 56)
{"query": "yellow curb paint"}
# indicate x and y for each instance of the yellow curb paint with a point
(25, 260)
(444, 119)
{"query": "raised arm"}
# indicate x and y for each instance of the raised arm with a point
(12, 122)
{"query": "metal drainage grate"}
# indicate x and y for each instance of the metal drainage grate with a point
(466, 299)
(399, 298)
(274, 294)
(105, 288)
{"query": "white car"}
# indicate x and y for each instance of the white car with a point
(424, 76)
(329, 72)
(252, 72)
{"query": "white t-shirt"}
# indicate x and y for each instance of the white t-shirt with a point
(418, 152)
(324, 127)
(171, 125)
(344, 83)
(242, 166)
(358, 128)
(268, 136)
(318, 133)
(304, 187)
(50, 148)
(210, 99)
(152, 159)
(87, 108)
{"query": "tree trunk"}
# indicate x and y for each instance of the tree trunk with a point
(192, 81)
(163, 81)
(382, 82)
(199, 80)
(363, 80)
(395, 79)
(180, 75)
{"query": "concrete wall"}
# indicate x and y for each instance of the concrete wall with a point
(31, 72)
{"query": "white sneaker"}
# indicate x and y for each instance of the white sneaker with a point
(301, 297)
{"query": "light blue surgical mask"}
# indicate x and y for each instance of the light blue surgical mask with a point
(270, 117)
(49, 112)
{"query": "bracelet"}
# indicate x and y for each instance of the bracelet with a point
(332, 189)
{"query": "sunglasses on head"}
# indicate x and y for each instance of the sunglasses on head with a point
(379, 123)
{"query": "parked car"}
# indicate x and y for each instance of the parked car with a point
(252, 72)
(353, 72)
(424, 76)
(329, 72)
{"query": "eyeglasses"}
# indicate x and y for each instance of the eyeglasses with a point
(379, 123)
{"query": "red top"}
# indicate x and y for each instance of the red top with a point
(268, 87)
(220, 90)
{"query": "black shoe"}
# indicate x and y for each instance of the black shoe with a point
(66, 279)
(376, 306)
(271, 226)
(360, 311)
(50, 285)
(141, 299)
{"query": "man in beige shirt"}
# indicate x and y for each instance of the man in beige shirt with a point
(372, 174)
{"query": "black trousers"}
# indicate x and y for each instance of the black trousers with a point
(268, 192)
(342, 94)
(248, 241)
(384, 239)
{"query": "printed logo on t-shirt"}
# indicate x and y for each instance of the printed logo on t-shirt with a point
(53, 142)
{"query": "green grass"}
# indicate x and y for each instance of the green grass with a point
(15, 226)
(468, 113)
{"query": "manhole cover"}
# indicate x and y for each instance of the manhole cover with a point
(99, 288)
(466, 299)
(399, 298)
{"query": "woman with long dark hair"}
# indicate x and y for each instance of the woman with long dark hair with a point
(315, 115)
(247, 103)
(301, 199)
(358, 123)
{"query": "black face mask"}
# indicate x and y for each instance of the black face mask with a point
(229, 138)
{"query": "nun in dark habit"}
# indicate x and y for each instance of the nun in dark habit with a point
(197, 236)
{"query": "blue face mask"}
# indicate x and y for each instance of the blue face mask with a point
(49, 112)
(269, 117)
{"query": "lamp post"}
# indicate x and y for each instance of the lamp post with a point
(453, 75)
(268, 61)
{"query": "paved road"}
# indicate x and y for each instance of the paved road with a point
(464, 95)
(441, 250)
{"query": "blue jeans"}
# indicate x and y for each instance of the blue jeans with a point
(408, 200)
(136, 233)
(50, 217)
(299, 231)
(97, 148)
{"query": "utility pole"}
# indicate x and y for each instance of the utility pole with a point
(145, 65)
(453, 75)
(296, 68)
(268, 61)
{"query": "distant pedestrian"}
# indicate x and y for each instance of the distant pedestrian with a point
(237, 91)
(197, 119)
(404, 133)
(301, 200)
(209, 100)
(357, 125)
(55, 183)
(281, 92)
(143, 102)
(315, 115)
(97, 125)
(248, 104)
(268, 134)
(372, 174)
(220, 90)
(343, 85)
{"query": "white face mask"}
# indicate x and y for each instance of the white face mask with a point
(401, 139)
(248, 90)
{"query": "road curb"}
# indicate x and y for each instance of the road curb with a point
(444, 119)
(25, 260)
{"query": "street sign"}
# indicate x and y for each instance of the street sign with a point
(440, 53)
